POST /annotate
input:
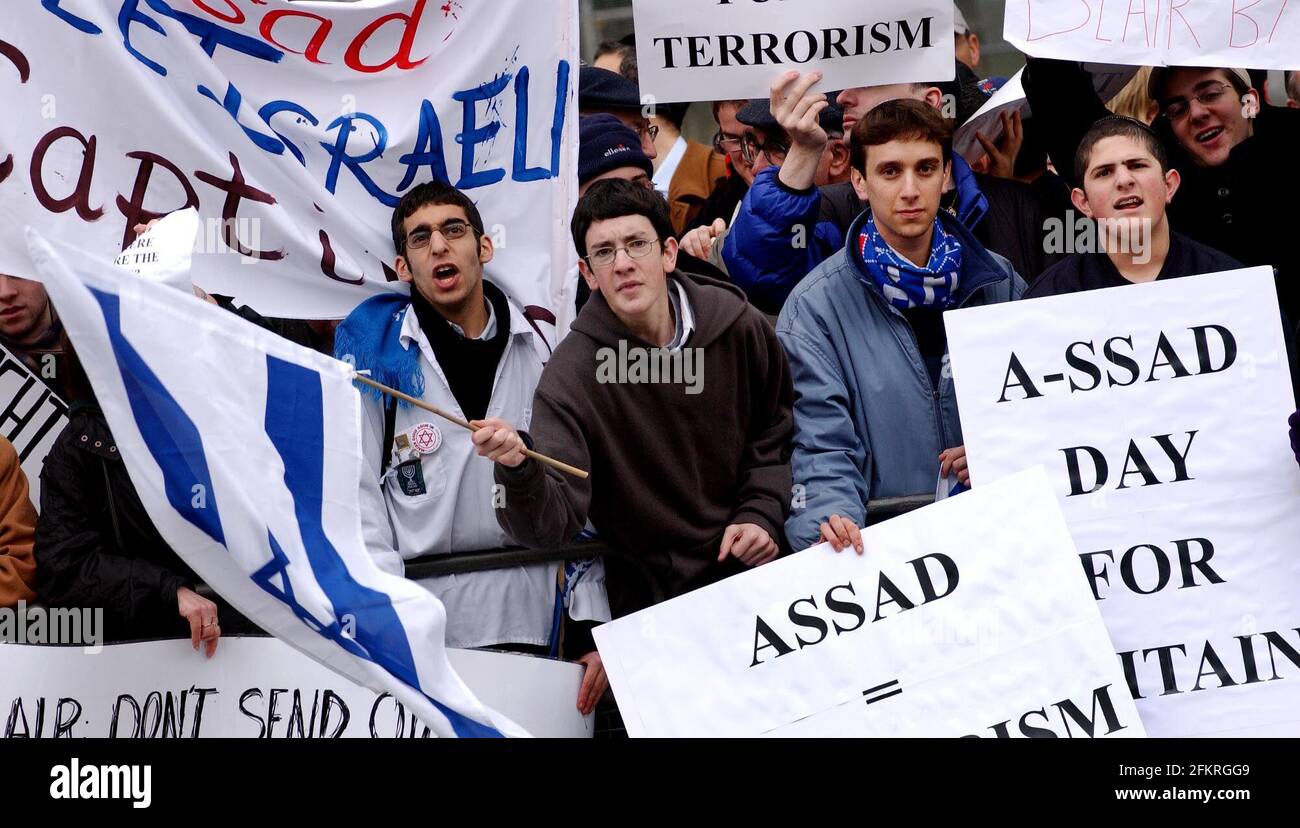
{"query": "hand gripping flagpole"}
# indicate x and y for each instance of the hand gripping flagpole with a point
(418, 403)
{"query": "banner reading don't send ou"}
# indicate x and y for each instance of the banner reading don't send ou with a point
(294, 129)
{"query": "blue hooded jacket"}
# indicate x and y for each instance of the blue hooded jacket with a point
(868, 422)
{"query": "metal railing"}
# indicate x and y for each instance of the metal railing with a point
(432, 566)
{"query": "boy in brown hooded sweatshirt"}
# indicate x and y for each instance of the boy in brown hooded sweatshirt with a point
(674, 393)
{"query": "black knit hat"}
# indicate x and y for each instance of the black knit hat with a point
(605, 143)
(603, 89)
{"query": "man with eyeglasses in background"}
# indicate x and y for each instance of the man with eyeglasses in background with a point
(1236, 154)
(459, 343)
(690, 470)
(719, 210)
(763, 145)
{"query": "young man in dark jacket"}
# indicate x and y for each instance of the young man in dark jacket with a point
(97, 547)
(1125, 184)
(674, 393)
(1236, 155)
(875, 408)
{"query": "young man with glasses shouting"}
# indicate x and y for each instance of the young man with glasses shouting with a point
(459, 343)
(689, 475)
(1237, 156)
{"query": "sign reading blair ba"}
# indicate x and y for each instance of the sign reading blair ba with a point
(1160, 411)
(962, 619)
(689, 50)
(1259, 34)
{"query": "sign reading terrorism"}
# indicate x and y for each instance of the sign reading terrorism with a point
(689, 50)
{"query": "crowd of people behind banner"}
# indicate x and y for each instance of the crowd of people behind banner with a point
(758, 354)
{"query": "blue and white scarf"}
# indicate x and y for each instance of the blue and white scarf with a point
(907, 285)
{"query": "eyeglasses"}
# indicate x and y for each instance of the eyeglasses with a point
(1208, 96)
(603, 257)
(724, 145)
(773, 151)
(451, 231)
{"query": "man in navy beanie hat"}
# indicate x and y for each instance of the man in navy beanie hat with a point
(610, 149)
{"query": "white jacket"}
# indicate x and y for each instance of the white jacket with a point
(456, 512)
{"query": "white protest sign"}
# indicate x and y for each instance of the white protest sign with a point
(293, 129)
(31, 415)
(1254, 34)
(252, 688)
(1160, 411)
(164, 252)
(688, 50)
(964, 618)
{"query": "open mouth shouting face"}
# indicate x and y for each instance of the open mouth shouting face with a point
(1125, 182)
(444, 255)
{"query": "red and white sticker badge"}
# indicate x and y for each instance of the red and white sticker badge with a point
(426, 438)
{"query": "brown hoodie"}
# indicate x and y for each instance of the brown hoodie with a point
(669, 470)
(17, 527)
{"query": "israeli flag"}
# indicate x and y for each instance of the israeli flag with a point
(245, 450)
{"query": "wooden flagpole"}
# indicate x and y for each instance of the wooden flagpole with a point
(418, 403)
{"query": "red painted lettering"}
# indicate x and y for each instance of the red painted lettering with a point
(402, 58)
(312, 52)
(1174, 7)
(1029, 35)
(236, 18)
(1232, 31)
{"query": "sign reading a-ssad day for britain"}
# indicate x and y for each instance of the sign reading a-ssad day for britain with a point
(1255, 34)
(294, 129)
(1160, 411)
(966, 618)
(700, 50)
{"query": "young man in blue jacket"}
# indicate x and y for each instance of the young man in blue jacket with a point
(787, 225)
(875, 410)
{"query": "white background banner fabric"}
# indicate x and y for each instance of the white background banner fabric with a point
(964, 618)
(1258, 35)
(689, 50)
(1160, 411)
(252, 688)
(302, 123)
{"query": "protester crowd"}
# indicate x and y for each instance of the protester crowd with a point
(800, 267)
